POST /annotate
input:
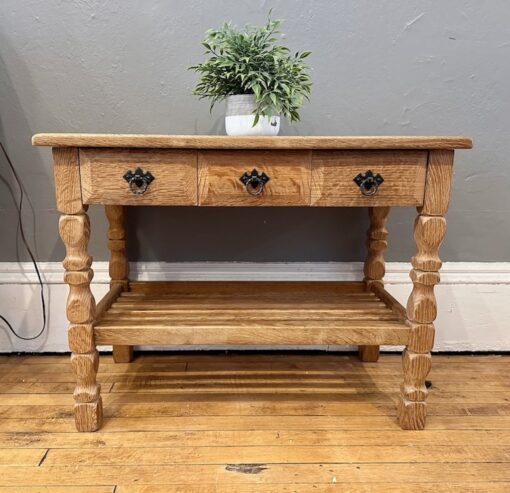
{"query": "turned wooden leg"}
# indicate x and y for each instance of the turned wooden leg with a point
(374, 264)
(75, 232)
(119, 266)
(429, 231)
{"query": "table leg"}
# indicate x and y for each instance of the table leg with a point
(429, 231)
(421, 313)
(119, 266)
(374, 264)
(75, 233)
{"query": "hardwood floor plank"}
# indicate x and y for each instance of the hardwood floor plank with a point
(21, 457)
(250, 438)
(270, 474)
(264, 379)
(203, 404)
(45, 359)
(44, 388)
(36, 399)
(482, 360)
(262, 369)
(277, 455)
(62, 489)
(318, 361)
(337, 393)
(104, 367)
(143, 409)
(317, 357)
(329, 363)
(441, 487)
(311, 385)
(332, 423)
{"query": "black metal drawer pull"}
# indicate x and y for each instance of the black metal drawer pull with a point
(254, 182)
(139, 180)
(368, 182)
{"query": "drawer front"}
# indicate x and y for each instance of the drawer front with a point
(220, 172)
(174, 175)
(333, 174)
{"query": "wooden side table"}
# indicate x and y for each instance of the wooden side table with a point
(372, 172)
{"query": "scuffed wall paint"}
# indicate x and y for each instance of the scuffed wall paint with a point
(386, 67)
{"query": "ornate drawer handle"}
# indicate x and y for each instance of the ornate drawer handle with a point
(368, 182)
(139, 180)
(254, 182)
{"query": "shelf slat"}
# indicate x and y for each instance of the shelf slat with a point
(393, 334)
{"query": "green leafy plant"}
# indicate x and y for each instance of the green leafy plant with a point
(250, 61)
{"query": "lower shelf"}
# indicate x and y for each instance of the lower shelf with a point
(272, 313)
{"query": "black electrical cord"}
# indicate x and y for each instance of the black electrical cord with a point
(27, 247)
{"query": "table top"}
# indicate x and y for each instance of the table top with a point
(249, 142)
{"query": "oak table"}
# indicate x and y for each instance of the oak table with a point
(371, 172)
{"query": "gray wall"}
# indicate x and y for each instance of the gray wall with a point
(385, 67)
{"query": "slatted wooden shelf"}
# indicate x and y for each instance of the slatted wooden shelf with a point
(291, 313)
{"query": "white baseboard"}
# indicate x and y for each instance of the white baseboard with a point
(473, 297)
(396, 272)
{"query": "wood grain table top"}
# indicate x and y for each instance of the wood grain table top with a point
(258, 142)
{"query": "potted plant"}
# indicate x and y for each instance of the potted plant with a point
(260, 79)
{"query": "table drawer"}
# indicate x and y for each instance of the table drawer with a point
(220, 172)
(333, 174)
(174, 174)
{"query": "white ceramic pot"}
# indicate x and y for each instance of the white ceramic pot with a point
(239, 118)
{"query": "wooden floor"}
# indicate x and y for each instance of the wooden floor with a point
(238, 423)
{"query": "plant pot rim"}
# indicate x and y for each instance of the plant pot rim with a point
(241, 96)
